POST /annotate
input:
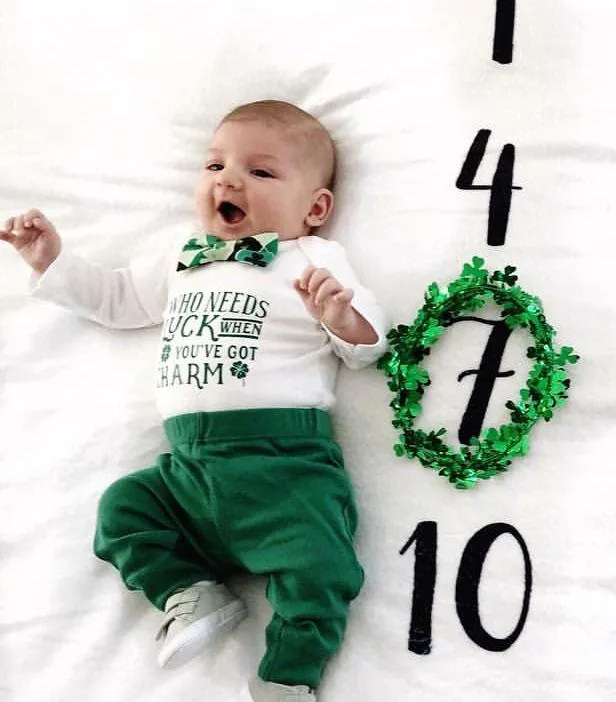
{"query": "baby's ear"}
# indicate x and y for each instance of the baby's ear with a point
(321, 208)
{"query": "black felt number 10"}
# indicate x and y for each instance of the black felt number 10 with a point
(467, 586)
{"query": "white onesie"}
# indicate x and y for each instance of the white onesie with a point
(234, 336)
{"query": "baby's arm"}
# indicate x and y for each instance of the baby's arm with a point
(122, 298)
(330, 303)
(336, 298)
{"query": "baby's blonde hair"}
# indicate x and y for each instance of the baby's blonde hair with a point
(316, 141)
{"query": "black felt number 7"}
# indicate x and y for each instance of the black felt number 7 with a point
(501, 188)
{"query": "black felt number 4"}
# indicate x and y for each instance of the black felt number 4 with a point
(467, 586)
(500, 189)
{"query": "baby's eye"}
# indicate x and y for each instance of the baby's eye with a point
(260, 173)
(214, 167)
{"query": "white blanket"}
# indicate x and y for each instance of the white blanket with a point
(105, 111)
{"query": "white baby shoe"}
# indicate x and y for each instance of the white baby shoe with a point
(194, 617)
(260, 691)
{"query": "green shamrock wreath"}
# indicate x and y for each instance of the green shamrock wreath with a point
(546, 385)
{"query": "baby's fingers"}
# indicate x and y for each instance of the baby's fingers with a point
(19, 226)
(37, 218)
(10, 232)
(8, 236)
(343, 298)
(302, 282)
(327, 289)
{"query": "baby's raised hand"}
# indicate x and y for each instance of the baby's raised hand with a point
(34, 237)
(326, 299)
(330, 303)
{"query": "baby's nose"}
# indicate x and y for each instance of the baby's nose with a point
(230, 178)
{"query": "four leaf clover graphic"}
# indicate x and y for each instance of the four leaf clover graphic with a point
(239, 370)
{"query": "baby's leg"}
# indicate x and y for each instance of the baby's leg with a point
(148, 536)
(310, 603)
(294, 520)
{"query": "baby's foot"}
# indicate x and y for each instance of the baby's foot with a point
(194, 617)
(261, 691)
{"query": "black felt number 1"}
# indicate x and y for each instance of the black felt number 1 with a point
(502, 51)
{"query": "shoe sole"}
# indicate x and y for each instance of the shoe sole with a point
(192, 640)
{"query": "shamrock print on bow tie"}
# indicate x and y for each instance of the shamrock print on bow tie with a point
(256, 250)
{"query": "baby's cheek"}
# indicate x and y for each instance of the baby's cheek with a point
(201, 197)
(199, 190)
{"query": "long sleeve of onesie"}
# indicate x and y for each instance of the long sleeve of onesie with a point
(120, 298)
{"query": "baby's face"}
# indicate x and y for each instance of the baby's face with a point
(254, 181)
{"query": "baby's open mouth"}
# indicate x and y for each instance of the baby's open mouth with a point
(232, 214)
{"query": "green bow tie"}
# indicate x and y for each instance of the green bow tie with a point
(257, 250)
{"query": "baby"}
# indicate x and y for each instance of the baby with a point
(256, 310)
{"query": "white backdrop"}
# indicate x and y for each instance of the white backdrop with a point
(105, 111)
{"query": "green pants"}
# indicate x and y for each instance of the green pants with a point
(259, 491)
